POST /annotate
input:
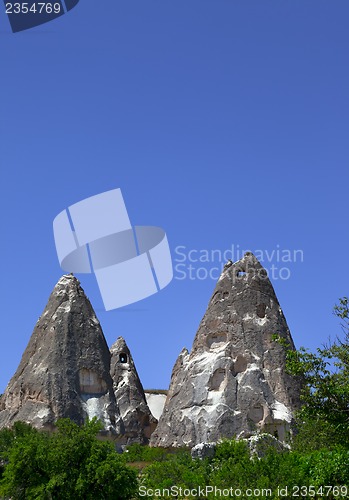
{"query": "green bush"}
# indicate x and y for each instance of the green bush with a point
(316, 434)
(179, 470)
(70, 463)
(328, 467)
(142, 453)
(233, 467)
(232, 449)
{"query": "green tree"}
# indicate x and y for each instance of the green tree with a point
(25, 473)
(178, 470)
(324, 416)
(70, 463)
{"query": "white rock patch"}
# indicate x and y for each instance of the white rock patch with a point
(280, 412)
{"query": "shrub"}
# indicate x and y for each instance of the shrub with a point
(71, 463)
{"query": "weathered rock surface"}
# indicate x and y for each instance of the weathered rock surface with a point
(138, 421)
(260, 444)
(233, 383)
(65, 369)
(203, 450)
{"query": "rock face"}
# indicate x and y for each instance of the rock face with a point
(233, 383)
(67, 371)
(203, 450)
(138, 421)
(64, 371)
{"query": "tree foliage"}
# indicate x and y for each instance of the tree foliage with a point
(324, 416)
(70, 463)
(233, 468)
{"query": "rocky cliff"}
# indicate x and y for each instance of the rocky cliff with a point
(233, 382)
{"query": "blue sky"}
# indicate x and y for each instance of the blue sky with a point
(225, 122)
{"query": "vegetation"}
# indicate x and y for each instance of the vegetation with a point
(156, 391)
(144, 454)
(70, 463)
(323, 420)
(233, 470)
(73, 464)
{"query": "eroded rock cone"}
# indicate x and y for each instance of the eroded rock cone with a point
(138, 421)
(233, 382)
(65, 369)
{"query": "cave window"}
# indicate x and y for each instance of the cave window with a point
(240, 273)
(261, 310)
(123, 357)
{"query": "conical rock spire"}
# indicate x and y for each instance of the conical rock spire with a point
(136, 416)
(233, 382)
(65, 369)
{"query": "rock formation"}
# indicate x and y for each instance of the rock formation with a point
(67, 371)
(233, 382)
(64, 371)
(138, 421)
